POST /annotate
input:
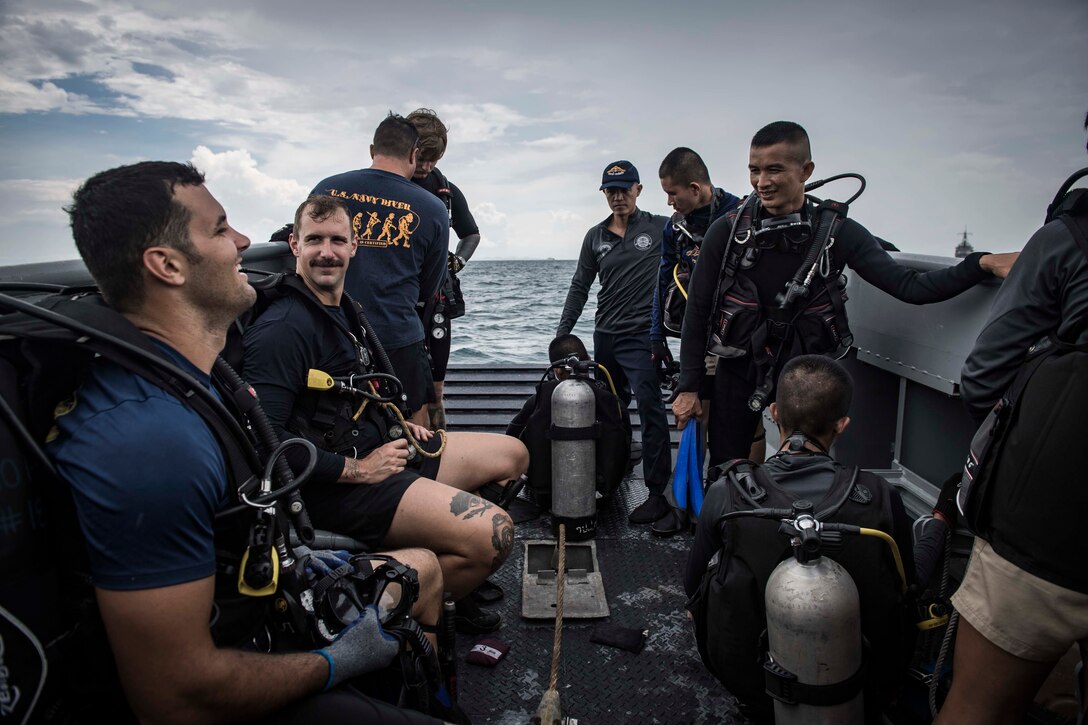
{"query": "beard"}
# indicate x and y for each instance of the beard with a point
(219, 293)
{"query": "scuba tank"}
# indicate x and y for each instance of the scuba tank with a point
(574, 455)
(814, 668)
(813, 633)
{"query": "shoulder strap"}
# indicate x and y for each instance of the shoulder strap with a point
(87, 323)
(748, 481)
(829, 216)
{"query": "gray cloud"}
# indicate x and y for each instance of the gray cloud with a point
(957, 114)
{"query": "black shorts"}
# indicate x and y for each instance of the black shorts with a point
(411, 366)
(365, 511)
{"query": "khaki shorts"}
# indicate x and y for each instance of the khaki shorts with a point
(1022, 614)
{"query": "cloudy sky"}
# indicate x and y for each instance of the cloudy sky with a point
(959, 114)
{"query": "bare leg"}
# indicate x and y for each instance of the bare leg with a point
(429, 604)
(989, 685)
(471, 537)
(473, 459)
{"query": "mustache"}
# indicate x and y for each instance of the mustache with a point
(333, 262)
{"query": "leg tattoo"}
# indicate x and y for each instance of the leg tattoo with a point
(502, 538)
(464, 503)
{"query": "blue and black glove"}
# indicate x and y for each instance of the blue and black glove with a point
(362, 647)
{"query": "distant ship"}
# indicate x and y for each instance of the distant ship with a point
(964, 247)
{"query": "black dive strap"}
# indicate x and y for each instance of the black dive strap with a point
(830, 215)
(783, 686)
(89, 323)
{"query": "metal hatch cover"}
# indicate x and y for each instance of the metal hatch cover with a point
(583, 595)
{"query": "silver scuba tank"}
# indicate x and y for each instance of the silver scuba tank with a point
(574, 459)
(814, 639)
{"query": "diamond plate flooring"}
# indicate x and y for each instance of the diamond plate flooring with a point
(665, 683)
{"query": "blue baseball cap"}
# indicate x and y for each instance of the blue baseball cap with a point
(619, 174)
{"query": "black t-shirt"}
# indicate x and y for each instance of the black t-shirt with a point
(287, 340)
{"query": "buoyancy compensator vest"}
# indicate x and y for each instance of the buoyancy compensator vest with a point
(57, 661)
(808, 316)
(345, 414)
(612, 432)
(688, 232)
(728, 609)
(450, 303)
(1019, 465)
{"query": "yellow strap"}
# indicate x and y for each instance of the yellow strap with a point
(611, 385)
(895, 552)
(676, 278)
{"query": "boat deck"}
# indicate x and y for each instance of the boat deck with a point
(664, 683)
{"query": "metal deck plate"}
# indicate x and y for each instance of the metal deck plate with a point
(583, 590)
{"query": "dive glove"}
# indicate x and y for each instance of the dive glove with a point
(362, 647)
(663, 362)
(454, 263)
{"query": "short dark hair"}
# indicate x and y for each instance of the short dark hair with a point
(814, 392)
(683, 166)
(564, 346)
(785, 132)
(432, 133)
(118, 214)
(321, 207)
(395, 137)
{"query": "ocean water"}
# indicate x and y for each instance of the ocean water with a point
(512, 309)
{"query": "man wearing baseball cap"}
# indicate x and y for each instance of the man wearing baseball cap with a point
(624, 251)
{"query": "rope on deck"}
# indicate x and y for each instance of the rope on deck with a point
(549, 712)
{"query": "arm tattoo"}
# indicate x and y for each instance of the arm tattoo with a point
(502, 538)
(351, 469)
(464, 503)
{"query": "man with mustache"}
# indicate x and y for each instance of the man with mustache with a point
(363, 483)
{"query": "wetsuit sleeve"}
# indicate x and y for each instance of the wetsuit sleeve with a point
(463, 222)
(664, 276)
(276, 360)
(863, 253)
(584, 274)
(708, 536)
(517, 425)
(1027, 307)
(704, 280)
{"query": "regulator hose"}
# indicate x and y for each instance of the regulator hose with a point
(267, 443)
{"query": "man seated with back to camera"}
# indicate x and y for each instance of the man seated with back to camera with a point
(814, 395)
(532, 424)
(363, 484)
(148, 475)
(562, 348)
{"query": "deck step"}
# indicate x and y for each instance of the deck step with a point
(486, 398)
